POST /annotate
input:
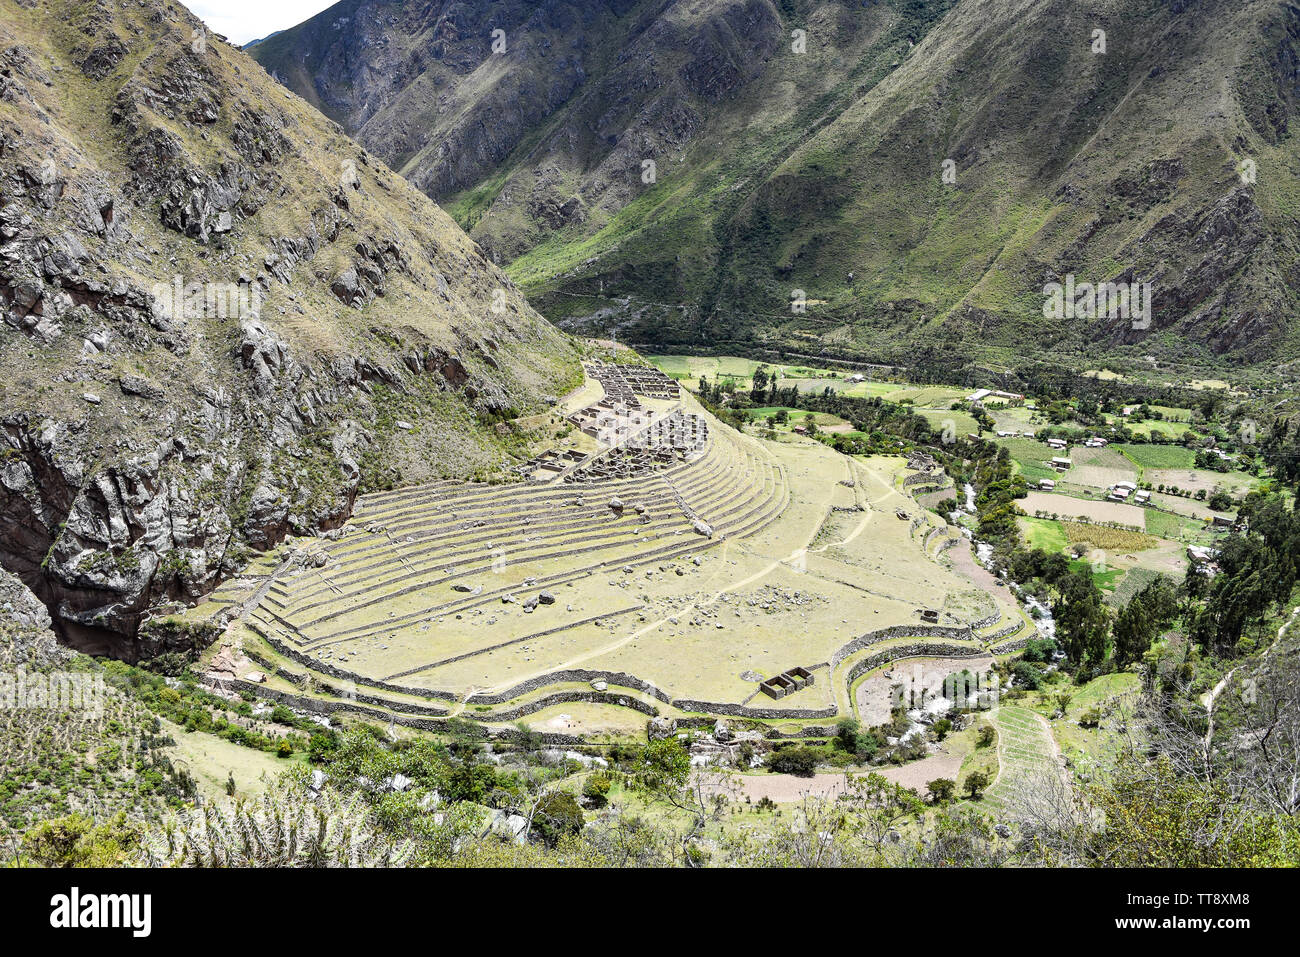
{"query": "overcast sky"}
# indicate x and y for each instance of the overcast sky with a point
(244, 20)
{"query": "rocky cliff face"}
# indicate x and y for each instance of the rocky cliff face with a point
(918, 169)
(220, 317)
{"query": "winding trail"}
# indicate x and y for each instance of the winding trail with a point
(1212, 695)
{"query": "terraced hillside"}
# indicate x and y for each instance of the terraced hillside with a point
(674, 591)
(1027, 754)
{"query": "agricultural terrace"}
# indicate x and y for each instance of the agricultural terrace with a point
(674, 589)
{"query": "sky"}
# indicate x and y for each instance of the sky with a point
(244, 20)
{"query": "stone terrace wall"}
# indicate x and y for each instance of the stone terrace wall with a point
(313, 664)
(921, 649)
(561, 697)
(898, 631)
(575, 674)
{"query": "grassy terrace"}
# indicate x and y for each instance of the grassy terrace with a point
(418, 606)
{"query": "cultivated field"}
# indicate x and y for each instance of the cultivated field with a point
(1066, 507)
(1200, 480)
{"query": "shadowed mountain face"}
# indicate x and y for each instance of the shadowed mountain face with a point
(912, 172)
(221, 318)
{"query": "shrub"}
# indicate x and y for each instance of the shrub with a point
(1038, 649)
(557, 814)
(1027, 676)
(975, 783)
(801, 762)
(595, 790)
(941, 790)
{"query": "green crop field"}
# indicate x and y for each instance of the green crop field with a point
(1043, 533)
(1105, 577)
(1176, 528)
(1158, 456)
(963, 423)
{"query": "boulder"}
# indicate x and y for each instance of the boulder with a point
(657, 729)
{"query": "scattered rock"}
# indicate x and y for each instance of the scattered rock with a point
(660, 728)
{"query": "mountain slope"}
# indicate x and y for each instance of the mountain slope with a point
(221, 317)
(822, 171)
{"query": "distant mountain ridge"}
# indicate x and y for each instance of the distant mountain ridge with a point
(253, 43)
(1125, 141)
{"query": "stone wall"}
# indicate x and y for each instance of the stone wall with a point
(1007, 647)
(921, 649)
(898, 631)
(619, 678)
(325, 708)
(560, 697)
(323, 667)
(1001, 633)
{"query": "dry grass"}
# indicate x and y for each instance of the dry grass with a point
(1111, 539)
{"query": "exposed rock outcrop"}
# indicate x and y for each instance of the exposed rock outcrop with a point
(183, 381)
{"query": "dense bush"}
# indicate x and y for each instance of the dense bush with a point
(801, 762)
(557, 814)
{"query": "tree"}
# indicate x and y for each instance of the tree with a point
(941, 790)
(1140, 621)
(556, 815)
(801, 762)
(596, 789)
(662, 774)
(1027, 676)
(850, 737)
(975, 784)
(1082, 620)
(1156, 817)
